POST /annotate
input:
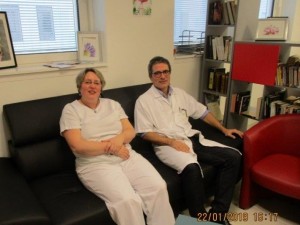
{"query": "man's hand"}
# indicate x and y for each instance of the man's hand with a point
(179, 145)
(231, 132)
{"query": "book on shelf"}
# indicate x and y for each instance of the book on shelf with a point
(244, 103)
(214, 48)
(218, 47)
(224, 82)
(288, 75)
(213, 105)
(208, 49)
(259, 108)
(233, 10)
(215, 12)
(211, 77)
(225, 14)
(229, 12)
(217, 79)
(240, 102)
(268, 99)
(227, 47)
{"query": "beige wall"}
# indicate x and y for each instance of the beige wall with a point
(130, 42)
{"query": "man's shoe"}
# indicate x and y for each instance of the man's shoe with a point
(224, 222)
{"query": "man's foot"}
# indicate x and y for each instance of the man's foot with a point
(224, 222)
(219, 218)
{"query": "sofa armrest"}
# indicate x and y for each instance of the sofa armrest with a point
(18, 205)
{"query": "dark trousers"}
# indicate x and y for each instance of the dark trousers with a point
(228, 164)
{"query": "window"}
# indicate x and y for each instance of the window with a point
(190, 19)
(42, 26)
(190, 16)
(266, 8)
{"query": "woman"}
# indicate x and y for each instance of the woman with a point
(99, 132)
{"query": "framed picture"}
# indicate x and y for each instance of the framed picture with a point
(89, 47)
(273, 28)
(7, 53)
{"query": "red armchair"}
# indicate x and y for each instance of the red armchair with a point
(271, 159)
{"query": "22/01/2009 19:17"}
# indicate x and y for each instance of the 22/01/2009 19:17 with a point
(238, 216)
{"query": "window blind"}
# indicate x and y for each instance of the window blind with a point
(190, 15)
(42, 26)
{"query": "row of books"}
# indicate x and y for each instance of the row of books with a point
(218, 79)
(276, 103)
(218, 47)
(288, 75)
(266, 106)
(222, 12)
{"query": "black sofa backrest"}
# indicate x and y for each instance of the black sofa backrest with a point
(36, 145)
(127, 96)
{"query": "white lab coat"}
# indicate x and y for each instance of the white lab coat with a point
(169, 117)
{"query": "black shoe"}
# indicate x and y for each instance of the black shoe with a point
(224, 222)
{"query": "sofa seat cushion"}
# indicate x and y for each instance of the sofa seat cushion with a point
(18, 205)
(68, 202)
(279, 172)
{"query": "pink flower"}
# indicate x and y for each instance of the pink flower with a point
(271, 30)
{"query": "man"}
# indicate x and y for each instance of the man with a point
(161, 116)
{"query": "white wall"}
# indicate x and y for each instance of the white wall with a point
(130, 40)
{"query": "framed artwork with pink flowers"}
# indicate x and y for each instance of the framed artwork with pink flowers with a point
(7, 53)
(272, 29)
(89, 47)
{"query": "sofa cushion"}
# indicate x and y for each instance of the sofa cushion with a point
(35, 121)
(68, 202)
(43, 158)
(18, 204)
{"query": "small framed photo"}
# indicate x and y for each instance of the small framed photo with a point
(89, 47)
(273, 29)
(7, 53)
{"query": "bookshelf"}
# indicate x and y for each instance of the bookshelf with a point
(262, 66)
(238, 20)
(251, 67)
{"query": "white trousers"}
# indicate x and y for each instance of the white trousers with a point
(129, 189)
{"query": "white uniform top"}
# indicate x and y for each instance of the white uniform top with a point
(170, 117)
(99, 124)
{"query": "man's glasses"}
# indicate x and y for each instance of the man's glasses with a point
(158, 74)
(89, 82)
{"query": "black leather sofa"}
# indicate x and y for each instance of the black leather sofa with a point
(39, 185)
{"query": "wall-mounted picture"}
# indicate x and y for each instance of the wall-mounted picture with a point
(273, 28)
(7, 53)
(89, 47)
(142, 7)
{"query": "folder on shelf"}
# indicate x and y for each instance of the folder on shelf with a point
(255, 63)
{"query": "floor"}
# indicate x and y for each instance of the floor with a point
(275, 211)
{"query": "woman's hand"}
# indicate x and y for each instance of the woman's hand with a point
(116, 147)
(123, 153)
(116, 142)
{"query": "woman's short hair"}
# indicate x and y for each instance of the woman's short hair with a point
(156, 60)
(80, 77)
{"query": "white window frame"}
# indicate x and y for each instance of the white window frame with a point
(37, 59)
(185, 18)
